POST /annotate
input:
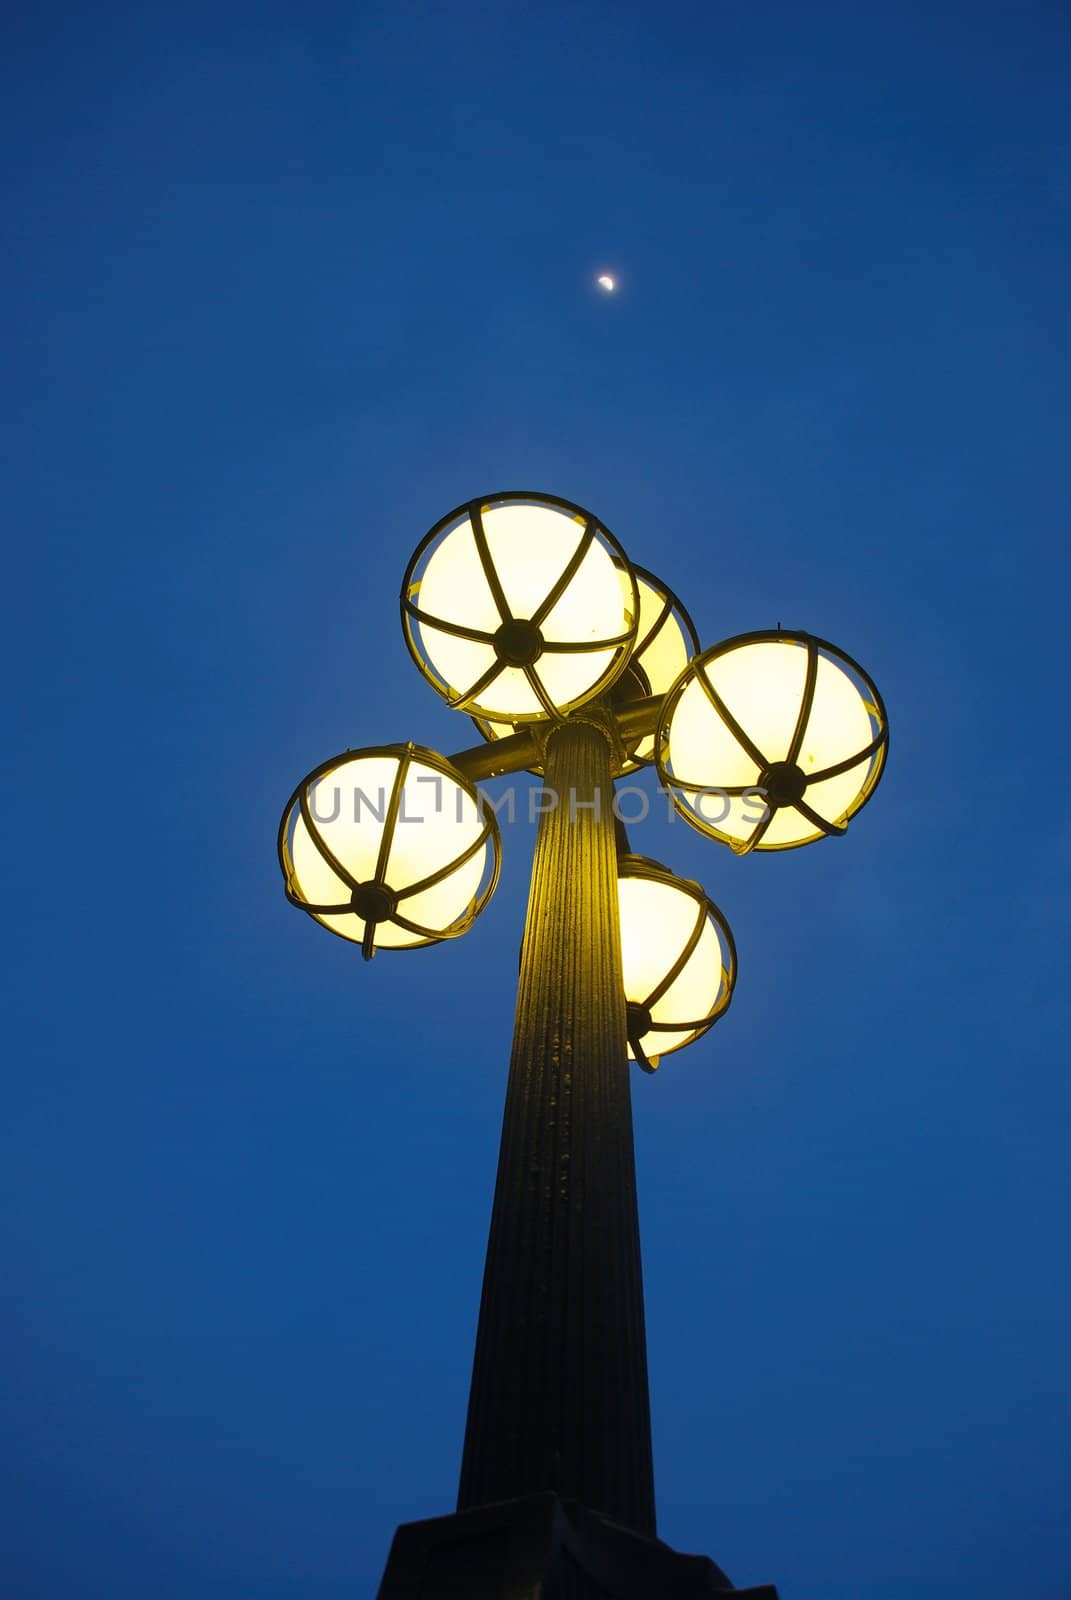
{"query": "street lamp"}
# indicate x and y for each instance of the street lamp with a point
(523, 611)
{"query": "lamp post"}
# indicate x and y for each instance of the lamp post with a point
(523, 611)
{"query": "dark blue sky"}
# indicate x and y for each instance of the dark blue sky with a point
(282, 285)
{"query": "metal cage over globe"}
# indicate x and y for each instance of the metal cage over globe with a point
(678, 959)
(514, 609)
(772, 740)
(389, 847)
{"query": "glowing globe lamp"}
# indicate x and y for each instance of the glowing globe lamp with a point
(666, 641)
(514, 610)
(389, 847)
(772, 740)
(678, 959)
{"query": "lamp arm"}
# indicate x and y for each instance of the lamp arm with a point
(494, 758)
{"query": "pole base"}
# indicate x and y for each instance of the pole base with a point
(543, 1548)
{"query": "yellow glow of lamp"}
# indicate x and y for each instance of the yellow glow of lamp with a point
(513, 608)
(678, 959)
(772, 740)
(666, 640)
(389, 847)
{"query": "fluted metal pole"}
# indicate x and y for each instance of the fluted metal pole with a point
(559, 1395)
